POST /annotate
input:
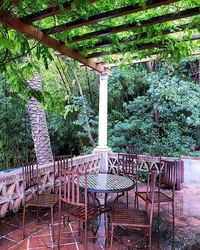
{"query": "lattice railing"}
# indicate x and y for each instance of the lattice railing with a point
(145, 162)
(11, 184)
(153, 163)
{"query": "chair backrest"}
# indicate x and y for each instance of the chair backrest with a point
(74, 188)
(150, 193)
(132, 149)
(30, 175)
(171, 171)
(61, 162)
(128, 165)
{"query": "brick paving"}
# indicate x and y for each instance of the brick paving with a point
(39, 235)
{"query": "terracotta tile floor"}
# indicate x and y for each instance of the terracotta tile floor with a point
(39, 235)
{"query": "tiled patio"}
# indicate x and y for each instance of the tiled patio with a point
(38, 235)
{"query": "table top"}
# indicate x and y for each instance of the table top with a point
(107, 183)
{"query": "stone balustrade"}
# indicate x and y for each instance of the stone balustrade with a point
(11, 183)
(145, 162)
(171, 176)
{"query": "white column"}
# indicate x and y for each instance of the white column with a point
(102, 147)
(103, 111)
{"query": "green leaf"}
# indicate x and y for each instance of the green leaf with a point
(6, 43)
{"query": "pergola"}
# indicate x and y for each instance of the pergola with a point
(104, 28)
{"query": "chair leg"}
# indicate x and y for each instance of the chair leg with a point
(106, 229)
(111, 237)
(145, 236)
(173, 216)
(79, 228)
(52, 224)
(136, 201)
(37, 212)
(127, 199)
(150, 246)
(106, 198)
(158, 210)
(59, 224)
(86, 236)
(23, 222)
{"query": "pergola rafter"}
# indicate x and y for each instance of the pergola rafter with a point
(13, 22)
(138, 37)
(90, 41)
(55, 10)
(138, 47)
(119, 9)
(107, 15)
(145, 23)
(136, 61)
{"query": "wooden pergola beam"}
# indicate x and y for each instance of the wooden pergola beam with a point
(148, 59)
(145, 23)
(48, 12)
(107, 15)
(9, 20)
(15, 2)
(108, 42)
(139, 47)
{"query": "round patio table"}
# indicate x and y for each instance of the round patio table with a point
(107, 183)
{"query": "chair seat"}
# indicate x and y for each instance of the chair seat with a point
(43, 200)
(130, 217)
(163, 197)
(79, 211)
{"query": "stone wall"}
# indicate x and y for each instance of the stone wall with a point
(11, 184)
(192, 172)
(191, 167)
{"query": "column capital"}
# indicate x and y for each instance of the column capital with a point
(104, 76)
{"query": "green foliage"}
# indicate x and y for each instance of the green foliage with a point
(177, 45)
(157, 111)
(15, 134)
(65, 107)
(6, 43)
(162, 121)
(43, 52)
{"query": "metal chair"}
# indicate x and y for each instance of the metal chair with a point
(74, 201)
(132, 149)
(128, 167)
(31, 179)
(60, 161)
(169, 180)
(135, 218)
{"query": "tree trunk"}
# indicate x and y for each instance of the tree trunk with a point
(149, 66)
(198, 71)
(39, 127)
(155, 111)
(84, 109)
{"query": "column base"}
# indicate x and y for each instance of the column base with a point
(101, 149)
(104, 157)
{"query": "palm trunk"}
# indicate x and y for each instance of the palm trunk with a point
(39, 127)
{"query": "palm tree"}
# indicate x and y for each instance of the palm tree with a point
(38, 123)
